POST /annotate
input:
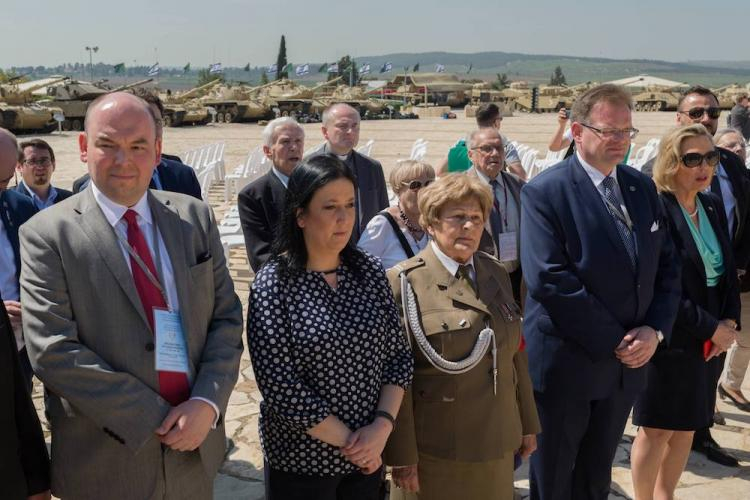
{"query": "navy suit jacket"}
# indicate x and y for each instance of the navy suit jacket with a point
(62, 194)
(261, 205)
(174, 176)
(583, 294)
(15, 209)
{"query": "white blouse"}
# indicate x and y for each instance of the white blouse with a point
(379, 240)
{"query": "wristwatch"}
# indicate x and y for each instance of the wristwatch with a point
(660, 336)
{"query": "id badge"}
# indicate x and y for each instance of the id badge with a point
(171, 349)
(508, 244)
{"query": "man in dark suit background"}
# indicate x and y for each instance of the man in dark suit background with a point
(25, 464)
(500, 237)
(15, 209)
(341, 131)
(730, 183)
(603, 289)
(36, 163)
(261, 203)
(170, 174)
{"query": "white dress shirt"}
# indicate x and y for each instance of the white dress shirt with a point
(114, 213)
(281, 176)
(597, 178)
(451, 265)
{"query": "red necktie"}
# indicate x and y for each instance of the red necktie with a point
(173, 386)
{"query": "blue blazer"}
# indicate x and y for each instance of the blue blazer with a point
(15, 209)
(583, 294)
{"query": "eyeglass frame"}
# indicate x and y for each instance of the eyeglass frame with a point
(499, 150)
(607, 133)
(35, 163)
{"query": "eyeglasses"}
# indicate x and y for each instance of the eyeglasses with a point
(41, 162)
(417, 185)
(697, 113)
(614, 133)
(462, 219)
(488, 149)
(692, 160)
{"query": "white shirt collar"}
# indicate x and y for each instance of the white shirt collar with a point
(595, 175)
(114, 211)
(450, 264)
(281, 176)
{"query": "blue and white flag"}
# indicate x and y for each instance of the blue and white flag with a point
(333, 68)
(154, 70)
(302, 70)
(214, 68)
(364, 69)
(439, 68)
(272, 69)
(386, 67)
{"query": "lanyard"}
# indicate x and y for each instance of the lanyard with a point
(138, 260)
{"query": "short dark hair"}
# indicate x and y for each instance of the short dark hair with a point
(306, 179)
(486, 114)
(699, 90)
(608, 92)
(150, 98)
(35, 143)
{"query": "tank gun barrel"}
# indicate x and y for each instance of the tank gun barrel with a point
(13, 94)
(328, 82)
(132, 85)
(198, 90)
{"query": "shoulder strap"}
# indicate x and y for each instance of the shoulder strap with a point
(399, 234)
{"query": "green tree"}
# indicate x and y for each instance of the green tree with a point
(502, 82)
(557, 77)
(347, 69)
(205, 76)
(281, 61)
(263, 78)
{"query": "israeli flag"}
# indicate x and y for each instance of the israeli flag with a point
(365, 69)
(154, 70)
(386, 67)
(272, 69)
(333, 68)
(215, 68)
(302, 70)
(439, 68)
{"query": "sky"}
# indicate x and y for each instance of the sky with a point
(237, 32)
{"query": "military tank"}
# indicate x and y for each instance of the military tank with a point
(355, 97)
(656, 98)
(728, 94)
(292, 98)
(550, 99)
(20, 113)
(74, 97)
(239, 103)
(185, 108)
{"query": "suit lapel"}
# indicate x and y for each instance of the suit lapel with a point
(639, 211)
(454, 288)
(681, 225)
(102, 237)
(278, 194)
(713, 217)
(592, 202)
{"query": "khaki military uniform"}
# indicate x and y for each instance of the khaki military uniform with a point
(460, 433)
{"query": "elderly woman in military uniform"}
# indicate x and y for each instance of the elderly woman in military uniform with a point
(471, 407)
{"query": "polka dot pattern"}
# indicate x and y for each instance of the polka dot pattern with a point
(317, 352)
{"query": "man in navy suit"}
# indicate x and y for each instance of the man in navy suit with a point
(603, 289)
(36, 163)
(170, 174)
(261, 203)
(15, 209)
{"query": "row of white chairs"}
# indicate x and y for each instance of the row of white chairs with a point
(208, 163)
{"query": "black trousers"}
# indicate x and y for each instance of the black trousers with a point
(577, 445)
(26, 370)
(289, 486)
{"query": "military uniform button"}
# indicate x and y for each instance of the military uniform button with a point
(444, 325)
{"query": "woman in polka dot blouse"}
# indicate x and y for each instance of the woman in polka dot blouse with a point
(326, 345)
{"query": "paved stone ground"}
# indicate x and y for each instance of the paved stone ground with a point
(241, 476)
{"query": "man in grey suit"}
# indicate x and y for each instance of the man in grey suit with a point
(341, 131)
(131, 321)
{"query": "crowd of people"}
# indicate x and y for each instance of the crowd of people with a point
(477, 321)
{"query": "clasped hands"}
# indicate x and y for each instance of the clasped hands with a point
(186, 425)
(723, 338)
(364, 447)
(637, 347)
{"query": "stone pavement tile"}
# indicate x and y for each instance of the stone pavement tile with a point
(727, 489)
(232, 488)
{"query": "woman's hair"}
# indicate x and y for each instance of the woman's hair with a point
(452, 188)
(306, 179)
(408, 169)
(668, 157)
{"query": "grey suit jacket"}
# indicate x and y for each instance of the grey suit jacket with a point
(90, 343)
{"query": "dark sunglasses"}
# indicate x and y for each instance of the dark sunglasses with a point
(416, 185)
(697, 113)
(692, 160)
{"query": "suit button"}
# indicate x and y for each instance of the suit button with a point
(149, 347)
